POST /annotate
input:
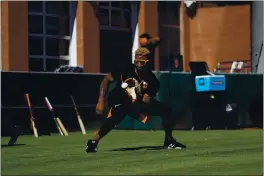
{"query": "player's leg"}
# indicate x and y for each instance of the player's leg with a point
(118, 114)
(12, 129)
(157, 108)
(15, 133)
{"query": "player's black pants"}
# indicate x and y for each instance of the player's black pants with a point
(154, 108)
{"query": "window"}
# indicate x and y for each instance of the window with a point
(49, 34)
(36, 22)
(57, 47)
(104, 17)
(35, 6)
(52, 64)
(57, 26)
(115, 18)
(169, 12)
(169, 31)
(115, 15)
(36, 64)
(104, 4)
(60, 8)
(116, 4)
(35, 45)
(51, 26)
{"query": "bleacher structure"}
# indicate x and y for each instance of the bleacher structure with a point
(243, 66)
(67, 68)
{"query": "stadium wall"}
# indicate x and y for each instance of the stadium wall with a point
(218, 34)
(84, 88)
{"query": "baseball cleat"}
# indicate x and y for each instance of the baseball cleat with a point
(173, 144)
(91, 146)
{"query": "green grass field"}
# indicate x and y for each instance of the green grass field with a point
(207, 153)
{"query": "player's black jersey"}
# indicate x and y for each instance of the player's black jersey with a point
(137, 85)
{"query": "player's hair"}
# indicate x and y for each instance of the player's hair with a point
(142, 51)
(145, 35)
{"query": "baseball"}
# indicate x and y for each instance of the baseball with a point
(124, 85)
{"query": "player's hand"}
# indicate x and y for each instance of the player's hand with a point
(146, 98)
(155, 38)
(100, 106)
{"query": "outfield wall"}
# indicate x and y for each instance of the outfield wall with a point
(190, 109)
(176, 89)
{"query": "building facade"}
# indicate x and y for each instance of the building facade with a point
(40, 36)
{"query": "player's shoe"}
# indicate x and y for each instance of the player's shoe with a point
(91, 146)
(15, 134)
(173, 144)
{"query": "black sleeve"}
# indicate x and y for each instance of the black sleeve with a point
(152, 45)
(153, 86)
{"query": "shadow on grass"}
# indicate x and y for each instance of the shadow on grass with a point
(15, 145)
(139, 148)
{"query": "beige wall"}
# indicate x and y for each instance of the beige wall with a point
(219, 34)
(14, 35)
(88, 38)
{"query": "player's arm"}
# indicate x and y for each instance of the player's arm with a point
(110, 77)
(104, 85)
(154, 42)
(114, 75)
(103, 89)
(152, 89)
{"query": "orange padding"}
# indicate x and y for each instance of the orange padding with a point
(145, 119)
(110, 115)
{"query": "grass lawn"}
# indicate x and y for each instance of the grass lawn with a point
(237, 152)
